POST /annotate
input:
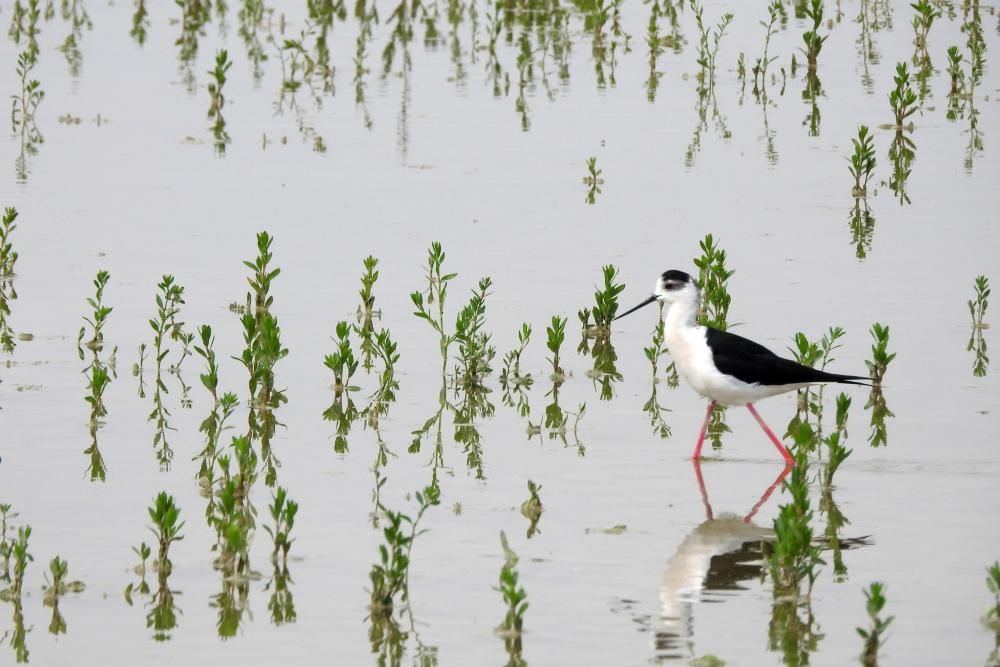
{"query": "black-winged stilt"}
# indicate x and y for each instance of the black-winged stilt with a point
(726, 368)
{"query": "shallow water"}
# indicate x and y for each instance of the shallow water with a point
(144, 192)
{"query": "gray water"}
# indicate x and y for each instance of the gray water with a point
(139, 188)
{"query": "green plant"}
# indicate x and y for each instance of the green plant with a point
(100, 315)
(165, 324)
(19, 550)
(593, 180)
(955, 71)
(25, 104)
(366, 309)
(862, 162)
(794, 557)
(812, 39)
(977, 341)
(880, 356)
(776, 13)
(59, 586)
(532, 509)
(924, 16)
(516, 600)
(263, 275)
(8, 256)
(166, 527)
(342, 362)
(902, 99)
(837, 452)
(606, 300)
(993, 584)
(216, 99)
(390, 576)
(475, 351)
(210, 378)
(556, 334)
(512, 360)
(283, 511)
(874, 603)
(437, 290)
(6, 546)
(713, 278)
(707, 54)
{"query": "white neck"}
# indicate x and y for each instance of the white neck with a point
(681, 314)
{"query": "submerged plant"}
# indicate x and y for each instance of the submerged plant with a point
(8, 256)
(862, 162)
(437, 290)
(367, 308)
(18, 550)
(776, 12)
(880, 356)
(993, 584)
(165, 325)
(59, 585)
(707, 54)
(531, 509)
(210, 378)
(606, 301)
(874, 636)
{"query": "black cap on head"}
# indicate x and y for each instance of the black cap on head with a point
(673, 275)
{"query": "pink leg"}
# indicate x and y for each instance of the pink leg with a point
(704, 494)
(704, 430)
(777, 443)
(768, 492)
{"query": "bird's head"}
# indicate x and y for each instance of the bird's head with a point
(671, 287)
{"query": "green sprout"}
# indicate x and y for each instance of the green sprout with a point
(59, 586)
(708, 54)
(8, 256)
(556, 334)
(993, 584)
(166, 527)
(902, 99)
(390, 576)
(165, 325)
(593, 180)
(367, 307)
(776, 13)
(217, 100)
(342, 362)
(713, 278)
(874, 603)
(25, 104)
(210, 378)
(812, 39)
(18, 549)
(794, 557)
(924, 16)
(283, 511)
(99, 317)
(475, 351)
(880, 356)
(606, 301)
(862, 162)
(437, 290)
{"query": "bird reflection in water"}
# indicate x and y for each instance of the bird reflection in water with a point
(719, 553)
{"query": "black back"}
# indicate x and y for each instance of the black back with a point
(753, 363)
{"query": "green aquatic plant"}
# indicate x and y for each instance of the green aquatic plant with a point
(165, 325)
(18, 550)
(811, 38)
(713, 279)
(217, 100)
(210, 378)
(99, 317)
(342, 362)
(391, 574)
(516, 601)
(776, 14)
(25, 104)
(474, 350)
(707, 54)
(862, 162)
(142, 588)
(555, 335)
(531, 509)
(593, 180)
(993, 584)
(283, 511)
(263, 275)
(262, 335)
(874, 635)
(880, 356)
(923, 18)
(59, 586)
(232, 520)
(437, 291)
(166, 527)
(8, 256)
(794, 558)
(902, 99)
(367, 308)
(606, 301)
(902, 152)
(6, 546)
(977, 340)
(955, 71)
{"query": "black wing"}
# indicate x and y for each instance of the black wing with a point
(753, 363)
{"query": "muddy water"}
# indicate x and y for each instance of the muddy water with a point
(138, 188)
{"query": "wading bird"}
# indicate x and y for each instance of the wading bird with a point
(726, 368)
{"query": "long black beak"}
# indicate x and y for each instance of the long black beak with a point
(648, 301)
